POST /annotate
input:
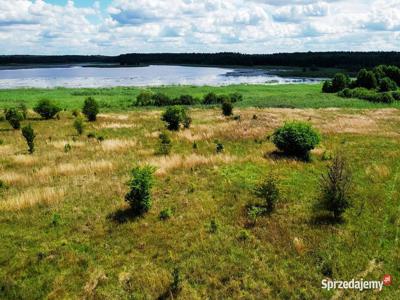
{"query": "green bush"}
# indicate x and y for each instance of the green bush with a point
(46, 109)
(219, 147)
(210, 98)
(165, 145)
(23, 109)
(227, 108)
(174, 116)
(14, 117)
(161, 99)
(186, 100)
(165, 214)
(366, 79)
(339, 82)
(145, 98)
(75, 113)
(327, 87)
(90, 109)
(79, 125)
(396, 95)
(236, 97)
(387, 85)
(139, 196)
(384, 98)
(296, 138)
(335, 188)
(29, 136)
(346, 93)
(268, 192)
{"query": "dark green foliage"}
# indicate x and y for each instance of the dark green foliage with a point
(165, 214)
(46, 109)
(3, 185)
(268, 192)
(327, 87)
(90, 109)
(79, 125)
(100, 138)
(335, 187)
(339, 82)
(145, 98)
(387, 85)
(346, 93)
(165, 145)
(392, 72)
(176, 284)
(161, 99)
(213, 227)
(186, 100)
(23, 109)
(67, 148)
(91, 135)
(384, 98)
(236, 97)
(396, 95)
(369, 95)
(187, 121)
(14, 117)
(296, 138)
(227, 108)
(210, 98)
(139, 196)
(75, 113)
(219, 147)
(29, 136)
(174, 116)
(366, 79)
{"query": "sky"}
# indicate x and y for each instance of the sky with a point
(112, 27)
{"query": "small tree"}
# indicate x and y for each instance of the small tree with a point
(46, 109)
(79, 125)
(90, 109)
(14, 117)
(335, 187)
(210, 98)
(29, 136)
(174, 116)
(227, 108)
(268, 192)
(327, 87)
(139, 196)
(387, 85)
(366, 79)
(145, 98)
(165, 144)
(23, 109)
(339, 82)
(296, 138)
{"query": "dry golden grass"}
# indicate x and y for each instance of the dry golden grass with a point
(70, 169)
(116, 145)
(112, 117)
(377, 173)
(61, 144)
(32, 197)
(14, 178)
(165, 164)
(114, 125)
(25, 160)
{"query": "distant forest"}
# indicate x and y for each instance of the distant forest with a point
(347, 60)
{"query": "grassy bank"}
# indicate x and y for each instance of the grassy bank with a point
(63, 235)
(121, 99)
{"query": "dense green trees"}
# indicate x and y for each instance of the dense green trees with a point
(46, 109)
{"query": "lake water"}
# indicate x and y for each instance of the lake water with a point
(154, 75)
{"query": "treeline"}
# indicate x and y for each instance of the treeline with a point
(348, 60)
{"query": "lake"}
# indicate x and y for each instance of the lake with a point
(153, 75)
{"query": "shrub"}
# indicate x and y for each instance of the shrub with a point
(14, 117)
(296, 138)
(174, 116)
(145, 98)
(165, 144)
(227, 108)
(46, 109)
(219, 147)
(210, 98)
(387, 85)
(79, 125)
(244, 235)
(223, 98)
(339, 82)
(366, 79)
(29, 136)
(346, 93)
(396, 96)
(213, 227)
(90, 109)
(75, 113)
(176, 284)
(139, 197)
(100, 138)
(67, 148)
(23, 109)
(327, 87)
(91, 135)
(187, 121)
(161, 99)
(268, 192)
(384, 98)
(186, 100)
(165, 214)
(335, 187)
(236, 97)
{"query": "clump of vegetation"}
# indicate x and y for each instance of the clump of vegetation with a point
(67, 148)
(100, 138)
(23, 109)
(145, 98)
(296, 138)
(174, 116)
(176, 284)
(165, 144)
(91, 135)
(335, 188)
(244, 235)
(387, 85)
(165, 214)
(161, 99)
(210, 98)
(219, 147)
(339, 82)
(90, 109)
(14, 117)
(141, 183)
(236, 97)
(46, 109)
(76, 113)
(79, 125)
(213, 226)
(3, 185)
(29, 136)
(227, 108)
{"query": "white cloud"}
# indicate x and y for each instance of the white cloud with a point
(252, 26)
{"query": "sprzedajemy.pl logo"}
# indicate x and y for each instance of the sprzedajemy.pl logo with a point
(360, 284)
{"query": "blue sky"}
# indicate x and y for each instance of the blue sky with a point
(251, 26)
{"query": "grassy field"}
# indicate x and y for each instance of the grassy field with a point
(62, 227)
(121, 99)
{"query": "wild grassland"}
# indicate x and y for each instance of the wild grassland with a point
(121, 98)
(61, 239)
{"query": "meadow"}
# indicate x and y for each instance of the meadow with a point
(65, 233)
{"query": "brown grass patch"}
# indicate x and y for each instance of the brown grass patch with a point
(24, 160)
(70, 169)
(113, 117)
(32, 197)
(115, 125)
(13, 178)
(172, 162)
(117, 145)
(61, 144)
